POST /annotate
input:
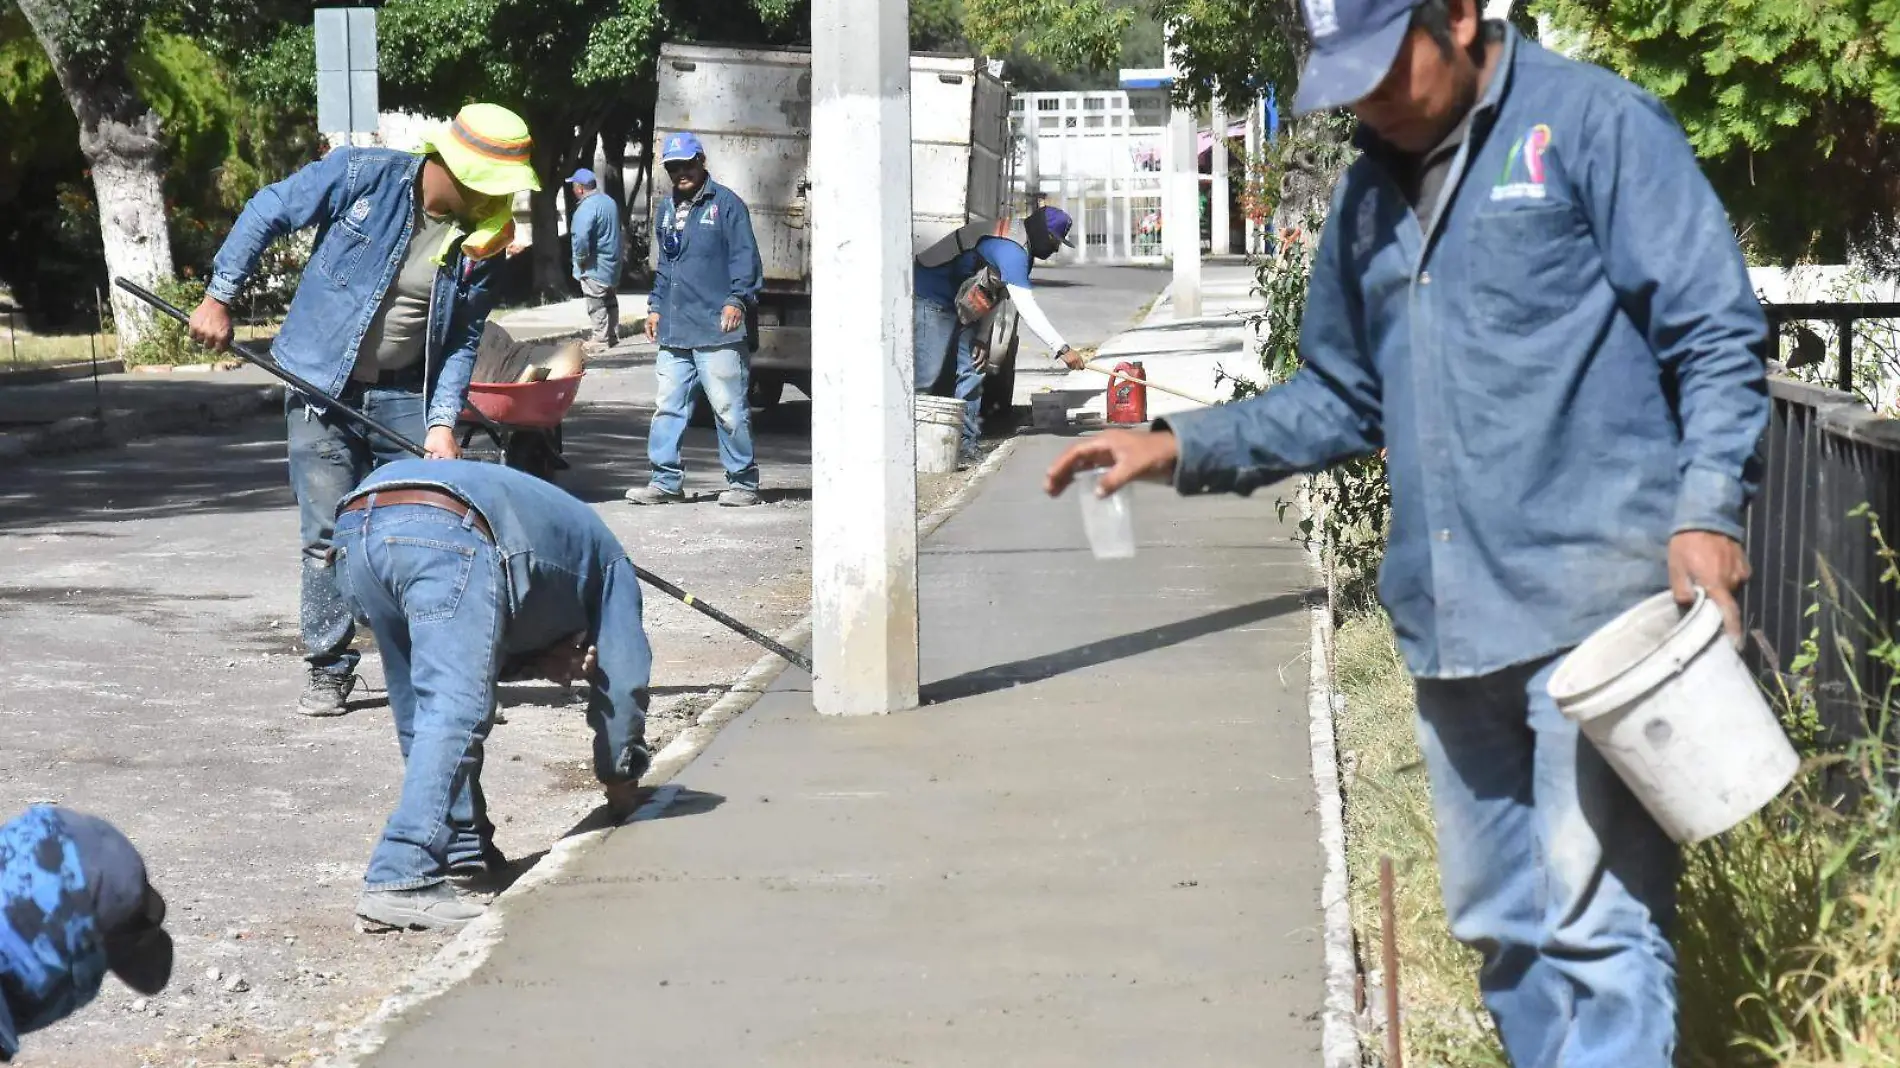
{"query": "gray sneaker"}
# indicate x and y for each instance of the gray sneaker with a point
(654, 495)
(738, 498)
(428, 908)
(325, 694)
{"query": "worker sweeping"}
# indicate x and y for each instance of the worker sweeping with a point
(960, 279)
(468, 573)
(386, 318)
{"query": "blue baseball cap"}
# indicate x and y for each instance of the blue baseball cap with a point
(582, 177)
(1354, 44)
(681, 146)
(1059, 225)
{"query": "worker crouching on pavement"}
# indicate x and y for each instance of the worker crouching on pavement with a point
(468, 573)
(386, 318)
(74, 903)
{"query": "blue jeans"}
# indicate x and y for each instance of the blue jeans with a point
(723, 374)
(329, 454)
(936, 329)
(430, 586)
(1553, 872)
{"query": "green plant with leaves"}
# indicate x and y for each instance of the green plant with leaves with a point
(166, 342)
(1780, 98)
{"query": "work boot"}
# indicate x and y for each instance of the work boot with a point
(326, 694)
(737, 497)
(436, 907)
(654, 495)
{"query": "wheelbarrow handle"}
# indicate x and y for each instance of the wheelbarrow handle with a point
(251, 356)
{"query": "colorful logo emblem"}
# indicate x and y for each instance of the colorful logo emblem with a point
(1530, 148)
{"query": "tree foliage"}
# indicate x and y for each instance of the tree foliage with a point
(1793, 106)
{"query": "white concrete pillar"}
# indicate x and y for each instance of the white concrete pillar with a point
(864, 443)
(1181, 218)
(1256, 136)
(1219, 191)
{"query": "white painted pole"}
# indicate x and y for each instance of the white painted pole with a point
(1256, 123)
(1219, 192)
(1182, 217)
(864, 444)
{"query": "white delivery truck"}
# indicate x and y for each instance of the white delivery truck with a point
(751, 107)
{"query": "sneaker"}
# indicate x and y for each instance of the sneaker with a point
(654, 495)
(481, 872)
(969, 458)
(739, 498)
(429, 908)
(326, 694)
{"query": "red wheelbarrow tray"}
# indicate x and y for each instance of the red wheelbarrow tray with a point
(524, 404)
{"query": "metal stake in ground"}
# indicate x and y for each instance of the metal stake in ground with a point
(1389, 949)
(791, 656)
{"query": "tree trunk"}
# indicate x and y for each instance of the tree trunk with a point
(545, 209)
(119, 135)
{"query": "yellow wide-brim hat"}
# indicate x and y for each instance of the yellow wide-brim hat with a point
(488, 149)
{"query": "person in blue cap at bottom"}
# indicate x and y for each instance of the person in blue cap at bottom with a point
(74, 903)
(595, 236)
(993, 260)
(1529, 296)
(469, 573)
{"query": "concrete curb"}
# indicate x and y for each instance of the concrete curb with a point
(121, 425)
(462, 956)
(1339, 1032)
(62, 372)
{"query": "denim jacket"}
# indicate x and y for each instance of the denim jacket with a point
(1565, 371)
(708, 259)
(362, 202)
(594, 236)
(566, 574)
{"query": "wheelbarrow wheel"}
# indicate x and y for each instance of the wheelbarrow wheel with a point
(535, 453)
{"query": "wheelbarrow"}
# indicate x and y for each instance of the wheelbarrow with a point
(523, 419)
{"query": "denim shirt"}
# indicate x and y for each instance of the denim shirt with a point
(566, 574)
(596, 239)
(1565, 372)
(708, 259)
(362, 202)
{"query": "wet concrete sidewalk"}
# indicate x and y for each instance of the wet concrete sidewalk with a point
(1095, 845)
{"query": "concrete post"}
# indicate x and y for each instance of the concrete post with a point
(864, 444)
(1182, 216)
(1218, 191)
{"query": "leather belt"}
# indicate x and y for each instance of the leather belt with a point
(432, 498)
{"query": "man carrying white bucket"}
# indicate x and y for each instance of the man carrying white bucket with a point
(1530, 297)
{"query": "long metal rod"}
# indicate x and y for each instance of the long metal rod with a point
(1389, 947)
(312, 392)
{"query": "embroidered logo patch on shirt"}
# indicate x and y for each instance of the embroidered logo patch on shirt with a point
(359, 210)
(1530, 184)
(711, 218)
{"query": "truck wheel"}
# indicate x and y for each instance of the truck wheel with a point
(999, 395)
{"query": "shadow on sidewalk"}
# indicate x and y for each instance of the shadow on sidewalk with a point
(685, 802)
(1049, 665)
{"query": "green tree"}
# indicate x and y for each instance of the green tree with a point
(1793, 106)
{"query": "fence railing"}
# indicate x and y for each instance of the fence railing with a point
(1843, 315)
(1817, 569)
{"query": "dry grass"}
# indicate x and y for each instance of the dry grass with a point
(1388, 813)
(40, 350)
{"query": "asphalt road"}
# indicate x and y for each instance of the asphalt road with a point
(147, 625)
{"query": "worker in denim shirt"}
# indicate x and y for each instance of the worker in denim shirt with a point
(705, 287)
(1530, 297)
(386, 318)
(469, 573)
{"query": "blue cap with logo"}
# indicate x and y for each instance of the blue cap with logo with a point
(680, 147)
(583, 176)
(1354, 44)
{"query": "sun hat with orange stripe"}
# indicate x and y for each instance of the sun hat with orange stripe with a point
(488, 149)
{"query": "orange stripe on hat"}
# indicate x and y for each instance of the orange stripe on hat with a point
(506, 151)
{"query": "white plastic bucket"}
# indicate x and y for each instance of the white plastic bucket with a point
(1666, 699)
(939, 432)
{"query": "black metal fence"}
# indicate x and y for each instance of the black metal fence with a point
(1817, 567)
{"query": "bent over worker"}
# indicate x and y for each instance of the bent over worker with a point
(386, 318)
(468, 573)
(1528, 294)
(1009, 251)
